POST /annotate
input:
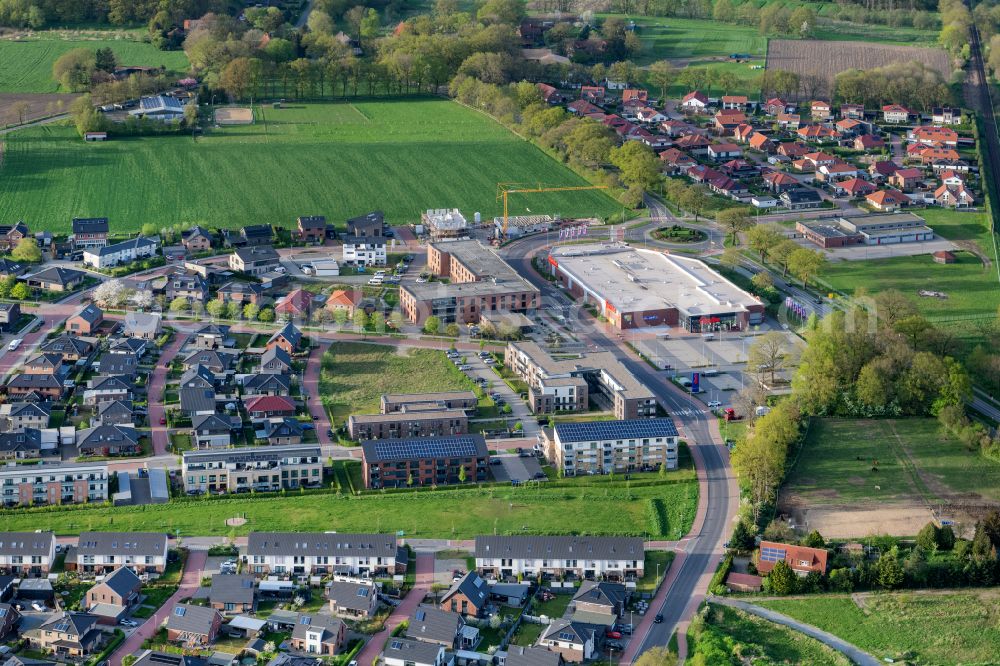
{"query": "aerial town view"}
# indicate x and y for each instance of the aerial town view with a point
(499, 332)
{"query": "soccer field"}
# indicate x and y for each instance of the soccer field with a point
(26, 65)
(338, 160)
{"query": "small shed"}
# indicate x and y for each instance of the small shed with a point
(95, 136)
(944, 257)
(740, 582)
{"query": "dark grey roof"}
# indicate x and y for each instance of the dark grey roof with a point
(74, 624)
(118, 363)
(90, 313)
(241, 288)
(191, 619)
(57, 275)
(321, 543)
(433, 624)
(518, 655)
(601, 593)
(212, 358)
(275, 354)
(197, 399)
(571, 631)
(198, 376)
(128, 345)
(604, 430)
(267, 381)
(284, 426)
(232, 588)
(18, 660)
(306, 621)
(213, 423)
(25, 440)
(45, 360)
(801, 195)
(25, 409)
(115, 408)
(90, 225)
(110, 383)
(407, 650)
(560, 547)
(132, 243)
(260, 253)
(356, 596)
(106, 435)
(67, 344)
(366, 225)
(9, 267)
(197, 230)
(473, 587)
(26, 543)
(155, 658)
(122, 581)
(423, 448)
(312, 221)
(122, 543)
(290, 333)
(257, 231)
(213, 329)
(253, 455)
(35, 381)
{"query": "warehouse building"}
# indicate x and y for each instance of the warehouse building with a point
(634, 288)
(867, 230)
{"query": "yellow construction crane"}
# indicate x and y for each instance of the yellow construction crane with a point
(504, 189)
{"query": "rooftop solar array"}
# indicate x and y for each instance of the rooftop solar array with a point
(427, 447)
(768, 554)
(603, 430)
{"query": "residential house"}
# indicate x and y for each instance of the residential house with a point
(255, 260)
(695, 144)
(108, 440)
(297, 303)
(600, 602)
(405, 652)
(318, 634)
(868, 142)
(831, 172)
(233, 594)
(9, 620)
(470, 595)
(89, 232)
(354, 598)
(108, 256)
(743, 132)
(267, 384)
(288, 338)
(197, 239)
(793, 150)
(267, 406)
(639, 95)
(582, 107)
(933, 136)
(803, 560)
(118, 363)
(155, 658)
(55, 278)
(801, 198)
(143, 325)
(676, 128)
(724, 151)
(435, 625)
(27, 554)
(191, 286)
(23, 444)
(365, 241)
(946, 115)
(934, 155)
(318, 553)
(954, 197)
(197, 401)
(20, 415)
(849, 127)
(115, 412)
(252, 235)
(820, 110)
(779, 181)
(134, 346)
(674, 161)
(102, 552)
(895, 113)
(906, 179)
(47, 386)
(198, 376)
(213, 430)
(649, 115)
(12, 234)
(346, 300)
(790, 122)
(574, 641)
(694, 102)
(702, 174)
(887, 201)
(106, 388)
(279, 431)
(776, 105)
(11, 268)
(194, 626)
(853, 187)
(311, 228)
(71, 348)
(761, 142)
(738, 102)
(241, 292)
(853, 111)
(113, 597)
(44, 364)
(728, 187)
(212, 336)
(550, 94)
(726, 121)
(275, 361)
(817, 133)
(882, 169)
(593, 94)
(67, 635)
(218, 361)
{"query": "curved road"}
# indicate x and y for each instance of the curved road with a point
(718, 502)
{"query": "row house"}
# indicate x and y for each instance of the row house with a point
(103, 552)
(315, 553)
(619, 558)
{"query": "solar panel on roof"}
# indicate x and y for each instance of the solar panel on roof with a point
(362, 591)
(631, 429)
(179, 611)
(438, 447)
(769, 554)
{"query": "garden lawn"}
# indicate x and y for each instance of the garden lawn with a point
(26, 65)
(453, 513)
(340, 160)
(355, 375)
(960, 628)
(768, 643)
(915, 460)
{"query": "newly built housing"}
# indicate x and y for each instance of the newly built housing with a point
(262, 469)
(302, 553)
(615, 558)
(424, 461)
(601, 447)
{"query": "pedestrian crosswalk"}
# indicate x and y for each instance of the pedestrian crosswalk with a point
(689, 412)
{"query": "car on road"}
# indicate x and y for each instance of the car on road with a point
(714, 404)
(658, 619)
(14, 344)
(375, 281)
(128, 623)
(614, 645)
(163, 420)
(496, 461)
(329, 432)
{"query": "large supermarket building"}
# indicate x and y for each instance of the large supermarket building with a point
(634, 288)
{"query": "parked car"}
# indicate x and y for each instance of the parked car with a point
(163, 420)
(613, 634)
(714, 404)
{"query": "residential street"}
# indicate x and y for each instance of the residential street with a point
(157, 383)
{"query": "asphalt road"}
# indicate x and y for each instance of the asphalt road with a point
(720, 491)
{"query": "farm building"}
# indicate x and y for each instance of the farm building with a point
(160, 107)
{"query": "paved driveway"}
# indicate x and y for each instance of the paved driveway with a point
(425, 577)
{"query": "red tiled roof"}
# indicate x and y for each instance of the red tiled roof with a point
(799, 558)
(269, 403)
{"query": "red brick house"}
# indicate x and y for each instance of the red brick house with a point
(312, 228)
(193, 625)
(801, 559)
(297, 303)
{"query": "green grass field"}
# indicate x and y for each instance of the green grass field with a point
(761, 642)
(26, 65)
(915, 460)
(355, 375)
(338, 160)
(960, 628)
(610, 508)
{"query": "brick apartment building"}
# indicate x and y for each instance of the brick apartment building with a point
(27, 485)
(410, 422)
(424, 461)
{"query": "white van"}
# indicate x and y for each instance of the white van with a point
(375, 281)
(14, 344)
(708, 336)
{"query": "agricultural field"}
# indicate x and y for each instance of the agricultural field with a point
(399, 156)
(759, 640)
(934, 628)
(601, 507)
(26, 63)
(355, 375)
(834, 488)
(39, 105)
(829, 58)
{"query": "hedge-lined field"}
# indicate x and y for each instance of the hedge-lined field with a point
(338, 160)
